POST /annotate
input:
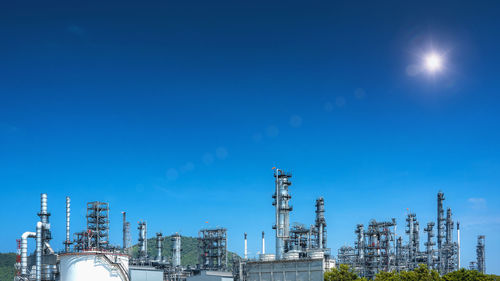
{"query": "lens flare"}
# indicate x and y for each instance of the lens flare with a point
(433, 62)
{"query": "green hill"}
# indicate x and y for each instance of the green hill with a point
(7, 270)
(189, 255)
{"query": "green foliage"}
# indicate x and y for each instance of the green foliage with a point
(7, 270)
(422, 273)
(468, 275)
(343, 273)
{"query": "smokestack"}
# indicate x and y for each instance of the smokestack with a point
(458, 243)
(68, 210)
(263, 244)
(124, 230)
(246, 248)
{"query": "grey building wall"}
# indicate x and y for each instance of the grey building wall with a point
(212, 276)
(285, 270)
(145, 274)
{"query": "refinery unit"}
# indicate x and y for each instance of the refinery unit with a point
(378, 248)
(301, 251)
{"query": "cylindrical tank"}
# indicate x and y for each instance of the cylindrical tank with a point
(316, 254)
(292, 255)
(267, 257)
(100, 266)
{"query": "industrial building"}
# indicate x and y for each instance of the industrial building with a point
(378, 248)
(301, 251)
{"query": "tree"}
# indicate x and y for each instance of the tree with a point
(467, 275)
(343, 273)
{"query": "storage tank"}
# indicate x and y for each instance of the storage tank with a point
(94, 265)
(315, 254)
(267, 257)
(292, 255)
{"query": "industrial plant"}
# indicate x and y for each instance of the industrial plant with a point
(301, 251)
(378, 248)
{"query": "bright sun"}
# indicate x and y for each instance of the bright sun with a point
(433, 62)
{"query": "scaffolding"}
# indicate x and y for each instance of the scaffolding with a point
(98, 224)
(213, 248)
(481, 265)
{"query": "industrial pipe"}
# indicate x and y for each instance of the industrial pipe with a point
(24, 251)
(43, 208)
(39, 226)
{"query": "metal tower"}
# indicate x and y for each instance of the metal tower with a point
(429, 244)
(143, 239)
(176, 250)
(283, 209)
(159, 245)
(126, 233)
(321, 223)
(480, 251)
(98, 224)
(440, 220)
(213, 248)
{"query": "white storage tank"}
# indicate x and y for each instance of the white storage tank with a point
(315, 254)
(291, 255)
(94, 265)
(267, 257)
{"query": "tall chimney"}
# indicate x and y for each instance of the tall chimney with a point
(458, 243)
(263, 244)
(246, 249)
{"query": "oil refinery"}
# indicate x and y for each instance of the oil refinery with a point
(301, 251)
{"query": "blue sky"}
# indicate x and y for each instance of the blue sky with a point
(176, 112)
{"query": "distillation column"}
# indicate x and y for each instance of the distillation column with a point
(176, 250)
(125, 232)
(143, 243)
(281, 202)
(321, 222)
(67, 243)
(429, 244)
(440, 220)
(480, 251)
(159, 246)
